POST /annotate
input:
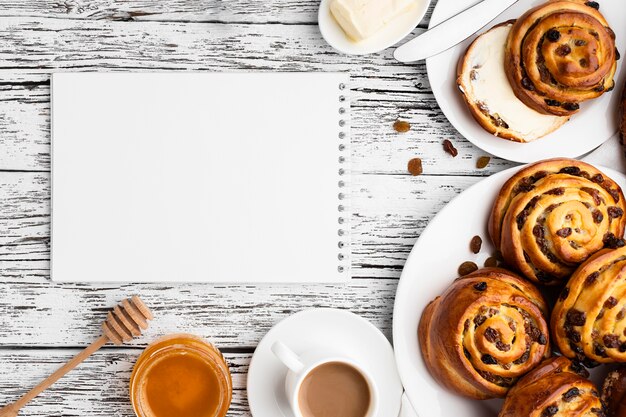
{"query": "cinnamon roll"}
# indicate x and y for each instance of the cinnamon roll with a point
(589, 318)
(552, 215)
(557, 388)
(484, 332)
(561, 54)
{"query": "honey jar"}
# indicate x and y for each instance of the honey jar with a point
(182, 376)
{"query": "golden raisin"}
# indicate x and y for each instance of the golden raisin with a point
(401, 126)
(467, 268)
(482, 162)
(415, 166)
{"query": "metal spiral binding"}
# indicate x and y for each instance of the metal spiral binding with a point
(343, 207)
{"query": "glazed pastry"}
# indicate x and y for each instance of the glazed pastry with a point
(552, 215)
(489, 96)
(614, 393)
(484, 332)
(561, 54)
(589, 318)
(557, 388)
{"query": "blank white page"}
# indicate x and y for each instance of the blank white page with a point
(199, 177)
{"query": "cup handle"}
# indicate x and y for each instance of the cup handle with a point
(407, 410)
(287, 357)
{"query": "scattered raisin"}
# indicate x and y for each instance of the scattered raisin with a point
(571, 394)
(491, 335)
(565, 232)
(488, 359)
(549, 411)
(591, 278)
(491, 262)
(481, 286)
(576, 317)
(615, 212)
(527, 84)
(401, 126)
(571, 106)
(475, 244)
(610, 302)
(482, 162)
(613, 242)
(553, 35)
(611, 341)
(415, 167)
(449, 147)
(467, 268)
(563, 50)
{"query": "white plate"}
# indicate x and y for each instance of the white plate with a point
(391, 34)
(429, 270)
(592, 126)
(348, 334)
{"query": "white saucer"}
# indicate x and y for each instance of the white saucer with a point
(349, 334)
(391, 34)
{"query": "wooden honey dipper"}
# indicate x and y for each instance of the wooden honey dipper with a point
(126, 321)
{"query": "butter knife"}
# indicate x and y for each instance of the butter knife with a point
(451, 32)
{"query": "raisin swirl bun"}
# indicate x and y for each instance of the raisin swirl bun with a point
(561, 54)
(483, 333)
(557, 388)
(589, 318)
(552, 215)
(614, 392)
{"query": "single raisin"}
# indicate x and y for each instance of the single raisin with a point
(571, 106)
(401, 126)
(491, 262)
(415, 167)
(618, 56)
(563, 50)
(576, 317)
(613, 242)
(611, 341)
(553, 35)
(564, 232)
(610, 302)
(580, 42)
(615, 212)
(549, 411)
(564, 294)
(583, 62)
(542, 339)
(467, 268)
(475, 244)
(552, 103)
(482, 162)
(481, 286)
(597, 216)
(527, 84)
(571, 394)
(491, 335)
(449, 148)
(488, 359)
(593, 5)
(591, 278)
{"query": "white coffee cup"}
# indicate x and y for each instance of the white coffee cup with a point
(300, 366)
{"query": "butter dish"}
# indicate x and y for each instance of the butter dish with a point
(388, 23)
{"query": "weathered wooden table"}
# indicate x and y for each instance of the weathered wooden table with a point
(43, 324)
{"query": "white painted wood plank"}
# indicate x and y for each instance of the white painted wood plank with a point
(226, 11)
(98, 387)
(391, 212)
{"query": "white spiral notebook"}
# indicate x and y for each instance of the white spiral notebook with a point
(200, 177)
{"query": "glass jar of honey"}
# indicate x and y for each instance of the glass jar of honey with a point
(183, 376)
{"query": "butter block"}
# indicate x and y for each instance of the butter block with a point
(361, 19)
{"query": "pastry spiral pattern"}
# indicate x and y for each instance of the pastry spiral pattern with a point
(483, 333)
(557, 388)
(552, 215)
(561, 54)
(589, 318)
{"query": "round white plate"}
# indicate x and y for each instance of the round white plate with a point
(429, 270)
(592, 126)
(388, 36)
(344, 332)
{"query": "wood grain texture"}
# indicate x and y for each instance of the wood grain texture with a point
(98, 387)
(383, 90)
(223, 11)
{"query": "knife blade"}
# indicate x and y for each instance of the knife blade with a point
(451, 32)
